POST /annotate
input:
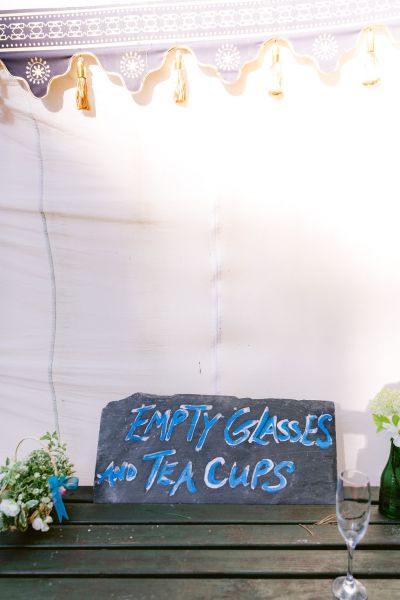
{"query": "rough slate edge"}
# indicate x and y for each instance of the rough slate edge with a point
(246, 400)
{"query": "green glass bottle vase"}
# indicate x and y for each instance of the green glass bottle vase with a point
(389, 492)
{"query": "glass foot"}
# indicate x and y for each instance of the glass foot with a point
(343, 589)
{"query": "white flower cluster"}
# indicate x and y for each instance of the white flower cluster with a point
(25, 495)
(10, 508)
(386, 402)
(41, 524)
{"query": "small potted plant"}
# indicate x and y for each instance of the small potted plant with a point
(31, 487)
(386, 413)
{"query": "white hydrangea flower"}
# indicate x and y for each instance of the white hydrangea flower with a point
(48, 519)
(37, 524)
(40, 525)
(36, 475)
(9, 507)
(17, 476)
(386, 402)
(45, 500)
(36, 491)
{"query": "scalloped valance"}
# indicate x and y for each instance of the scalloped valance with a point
(132, 40)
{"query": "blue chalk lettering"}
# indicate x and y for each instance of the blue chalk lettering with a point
(138, 422)
(209, 473)
(159, 420)
(131, 472)
(113, 474)
(158, 457)
(294, 426)
(185, 477)
(263, 467)
(244, 427)
(328, 440)
(242, 479)
(198, 409)
(261, 422)
(207, 426)
(285, 464)
(177, 418)
(107, 475)
(166, 469)
(282, 426)
(308, 429)
(270, 428)
(119, 472)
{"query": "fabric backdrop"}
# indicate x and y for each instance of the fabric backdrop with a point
(239, 245)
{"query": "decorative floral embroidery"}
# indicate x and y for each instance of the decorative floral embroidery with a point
(132, 65)
(227, 57)
(325, 47)
(37, 70)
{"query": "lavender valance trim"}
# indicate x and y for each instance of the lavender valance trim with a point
(132, 40)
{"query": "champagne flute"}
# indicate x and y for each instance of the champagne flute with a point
(353, 504)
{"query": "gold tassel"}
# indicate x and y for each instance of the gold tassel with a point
(275, 88)
(180, 79)
(82, 96)
(371, 66)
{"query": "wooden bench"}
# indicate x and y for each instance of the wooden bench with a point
(194, 552)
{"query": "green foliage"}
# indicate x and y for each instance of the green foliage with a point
(379, 420)
(24, 490)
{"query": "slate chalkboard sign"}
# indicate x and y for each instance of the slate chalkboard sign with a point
(216, 449)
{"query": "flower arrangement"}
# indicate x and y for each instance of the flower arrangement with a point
(26, 495)
(386, 412)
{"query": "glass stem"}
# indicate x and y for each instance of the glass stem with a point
(350, 551)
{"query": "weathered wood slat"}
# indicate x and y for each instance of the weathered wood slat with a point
(192, 536)
(174, 562)
(85, 494)
(224, 589)
(184, 589)
(203, 513)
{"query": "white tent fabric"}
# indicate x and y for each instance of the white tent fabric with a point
(238, 246)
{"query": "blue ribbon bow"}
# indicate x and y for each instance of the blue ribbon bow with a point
(55, 483)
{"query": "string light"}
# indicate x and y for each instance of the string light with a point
(371, 65)
(275, 88)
